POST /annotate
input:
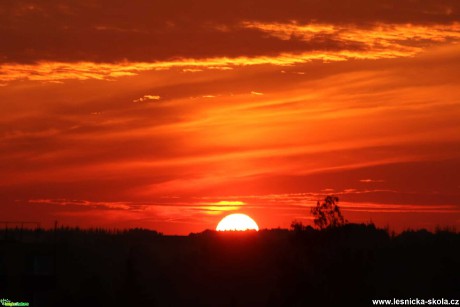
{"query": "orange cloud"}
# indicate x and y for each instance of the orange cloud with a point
(380, 41)
(390, 36)
(220, 207)
(147, 98)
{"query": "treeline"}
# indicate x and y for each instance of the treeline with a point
(350, 264)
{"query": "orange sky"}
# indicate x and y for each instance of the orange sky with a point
(171, 115)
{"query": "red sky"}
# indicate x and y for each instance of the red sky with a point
(170, 115)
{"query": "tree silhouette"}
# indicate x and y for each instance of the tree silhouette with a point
(327, 214)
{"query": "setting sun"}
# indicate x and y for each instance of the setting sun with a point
(237, 222)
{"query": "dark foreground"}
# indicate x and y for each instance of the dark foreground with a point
(347, 266)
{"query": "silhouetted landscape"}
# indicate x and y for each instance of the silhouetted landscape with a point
(351, 264)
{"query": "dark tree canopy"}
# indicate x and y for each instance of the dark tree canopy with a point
(327, 214)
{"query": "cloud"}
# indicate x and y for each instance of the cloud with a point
(184, 209)
(325, 42)
(47, 42)
(399, 208)
(304, 201)
(178, 210)
(219, 207)
(85, 203)
(59, 71)
(390, 36)
(378, 40)
(371, 180)
(230, 202)
(147, 98)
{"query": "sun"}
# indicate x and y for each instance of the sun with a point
(237, 222)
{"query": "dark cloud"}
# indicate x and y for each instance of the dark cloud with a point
(107, 31)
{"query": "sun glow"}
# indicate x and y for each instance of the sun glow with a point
(237, 222)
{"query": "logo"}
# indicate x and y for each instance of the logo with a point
(7, 302)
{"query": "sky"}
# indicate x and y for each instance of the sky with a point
(170, 115)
